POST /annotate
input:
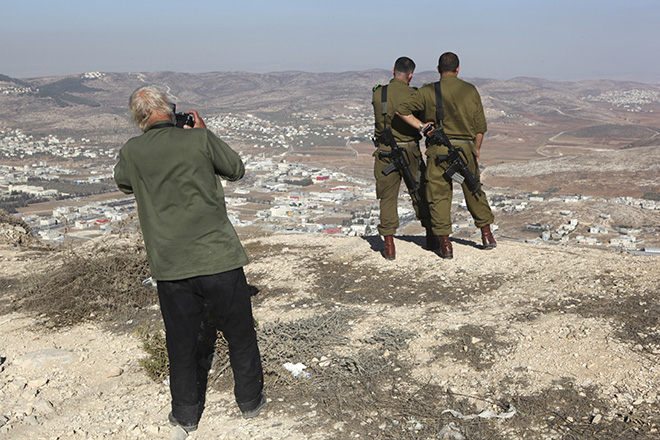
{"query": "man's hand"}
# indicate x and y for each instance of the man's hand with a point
(478, 140)
(427, 128)
(199, 122)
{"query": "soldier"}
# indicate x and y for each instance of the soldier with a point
(465, 125)
(385, 101)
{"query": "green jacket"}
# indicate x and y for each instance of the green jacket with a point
(174, 174)
(464, 113)
(397, 92)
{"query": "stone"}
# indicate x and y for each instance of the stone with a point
(23, 410)
(179, 434)
(37, 383)
(44, 358)
(114, 372)
(42, 406)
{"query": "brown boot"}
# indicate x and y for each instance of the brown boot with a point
(487, 239)
(390, 252)
(432, 242)
(446, 250)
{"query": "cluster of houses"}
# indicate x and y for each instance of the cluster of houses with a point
(631, 99)
(261, 133)
(15, 144)
(291, 197)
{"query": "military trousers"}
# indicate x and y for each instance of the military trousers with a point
(388, 186)
(439, 189)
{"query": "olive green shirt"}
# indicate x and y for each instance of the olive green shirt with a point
(174, 174)
(397, 92)
(464, 113)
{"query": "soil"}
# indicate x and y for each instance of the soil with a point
(540, 341)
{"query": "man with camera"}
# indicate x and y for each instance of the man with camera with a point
(193, 250)
(456, 106)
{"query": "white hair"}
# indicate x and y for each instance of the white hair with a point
(143, 102)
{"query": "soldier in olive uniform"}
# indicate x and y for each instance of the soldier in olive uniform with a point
(465, 125)
(387, 186)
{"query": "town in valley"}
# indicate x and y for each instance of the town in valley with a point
(562, 163)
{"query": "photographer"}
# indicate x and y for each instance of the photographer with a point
(193, 250)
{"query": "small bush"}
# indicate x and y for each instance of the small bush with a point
(155, 364)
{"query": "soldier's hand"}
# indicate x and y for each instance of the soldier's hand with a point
(199, 122)
(427, 128)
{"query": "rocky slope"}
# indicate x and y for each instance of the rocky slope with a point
(559, 342)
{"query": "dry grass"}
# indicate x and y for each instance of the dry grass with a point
(103, 282)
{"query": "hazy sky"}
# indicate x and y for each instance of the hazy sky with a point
(556, 40)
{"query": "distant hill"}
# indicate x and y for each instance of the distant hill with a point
(305, 91)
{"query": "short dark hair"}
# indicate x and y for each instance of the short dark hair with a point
(404, 65)
(448, 62)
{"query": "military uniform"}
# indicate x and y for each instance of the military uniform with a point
(464, 119)
(387, 187)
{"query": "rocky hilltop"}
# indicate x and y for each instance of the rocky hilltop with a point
(523, 341)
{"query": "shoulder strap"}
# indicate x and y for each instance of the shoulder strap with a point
(439, 111)
(383, 99)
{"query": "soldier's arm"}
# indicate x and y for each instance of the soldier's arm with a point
(414, 121)
(406, 110)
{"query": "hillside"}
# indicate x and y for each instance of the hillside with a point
(627, 172)
(560, 342)
(92, 102)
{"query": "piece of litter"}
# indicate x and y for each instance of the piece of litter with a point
(450, 432)
(149, 282)
(297, 369)
(487, 414)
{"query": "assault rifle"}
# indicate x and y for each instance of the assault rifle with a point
(457, 170)
(398, 161)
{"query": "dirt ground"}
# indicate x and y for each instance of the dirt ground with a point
(520, 342)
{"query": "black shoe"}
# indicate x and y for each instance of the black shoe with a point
(188, 427)
(248, 414)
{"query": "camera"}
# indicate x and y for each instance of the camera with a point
(182, 118)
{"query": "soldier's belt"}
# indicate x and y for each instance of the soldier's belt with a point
(407, 144)
(461, 141)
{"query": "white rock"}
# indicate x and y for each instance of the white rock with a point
(179, 434)
(46, 357)
(43, 406)
(114, 372)
(37, 383)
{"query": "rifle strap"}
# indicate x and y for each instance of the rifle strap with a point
(383, 104)
(439, 110)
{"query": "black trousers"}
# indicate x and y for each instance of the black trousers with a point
(182, 304)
